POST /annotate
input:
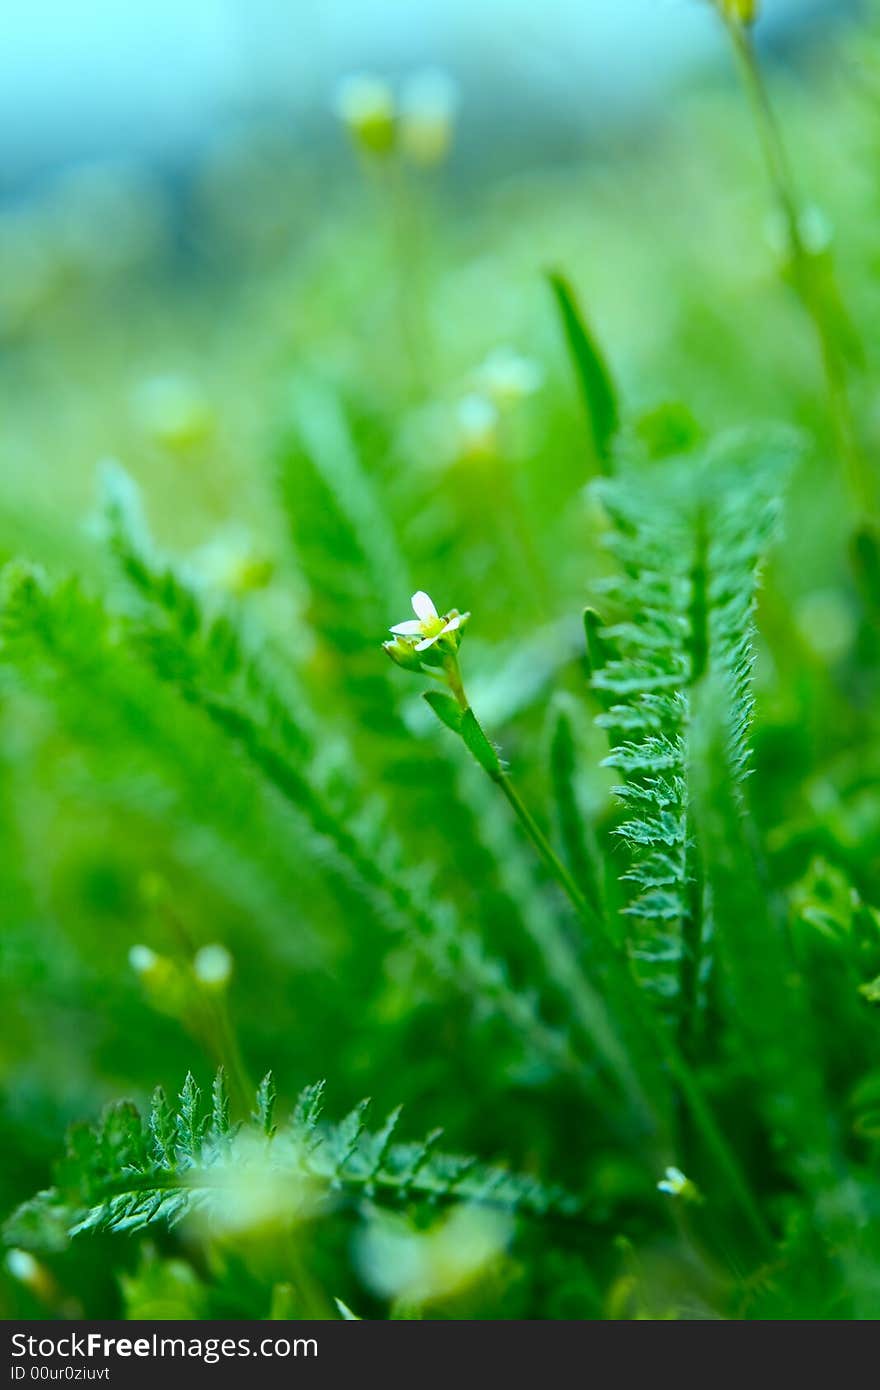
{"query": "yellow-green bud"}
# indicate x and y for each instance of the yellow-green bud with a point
(365, 105)
(403, 654)
(163, 984)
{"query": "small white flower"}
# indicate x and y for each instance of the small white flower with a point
(428, 625)
(675, 1183)
(507, 376)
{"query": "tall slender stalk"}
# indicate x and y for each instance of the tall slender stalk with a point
(859, 474)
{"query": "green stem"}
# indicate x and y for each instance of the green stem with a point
(593, 1015)
(551, 859)
(814, 301)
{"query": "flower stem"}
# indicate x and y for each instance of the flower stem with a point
(591, 1006)
(809, 290)
(548, 854)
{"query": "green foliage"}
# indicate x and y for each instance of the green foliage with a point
(127, 1173)
(598, 893)
(688, 543)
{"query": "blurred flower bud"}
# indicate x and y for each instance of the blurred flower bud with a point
(173, 412)
(675, 1184)
(212, 966)
(34, 1276)
(427, 111)
(231, 562)
(365, 105)
(506, 376)
(477, 422)
(144, 962)
(163, 983)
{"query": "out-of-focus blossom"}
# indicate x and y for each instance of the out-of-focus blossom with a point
(675, 1183)
(231, 562)
(477, 421)
(212, 966)
(173, 412)
(506, 376)
(427, 113)
(365, 104)
(420, 1267)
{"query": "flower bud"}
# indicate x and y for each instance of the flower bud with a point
(365, 105)
(478, 421)
(173, 412)
(144, 962)
(162, 982)
(506, 376)
(403, 654)
(212, 966)
(427, 109)
(33, 1275)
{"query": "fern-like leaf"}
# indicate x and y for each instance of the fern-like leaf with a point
(689, 543)
(116, 1177)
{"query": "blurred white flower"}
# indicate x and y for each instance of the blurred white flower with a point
(143, 960)
(230, 561)
(252, 1191)
(507, 376)
(676, 1184)
(477, 421)
(212, 966)
(397, 1261)
(427, 111)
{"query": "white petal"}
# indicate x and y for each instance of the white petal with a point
(452, 624)
(423, 607)
(426, 642)
(407, 629)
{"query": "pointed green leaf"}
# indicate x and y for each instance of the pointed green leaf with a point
(593, 376)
